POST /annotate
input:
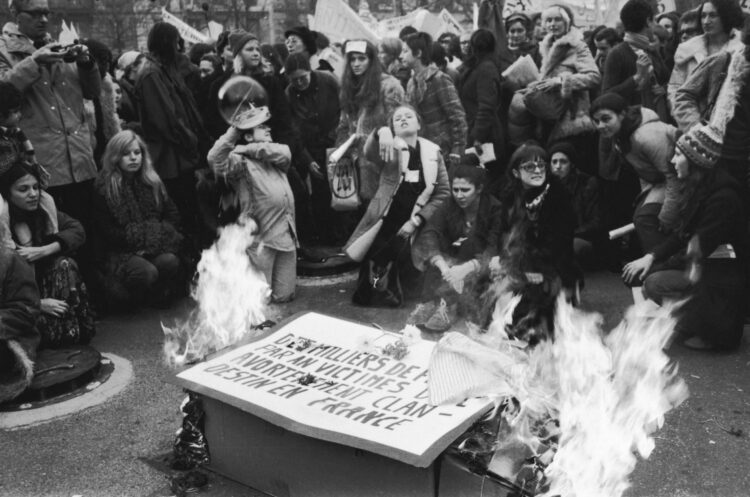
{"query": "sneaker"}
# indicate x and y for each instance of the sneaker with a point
(443, 317)
(421, 313)
(697, 343)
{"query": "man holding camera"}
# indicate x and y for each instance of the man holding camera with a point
(54, 79)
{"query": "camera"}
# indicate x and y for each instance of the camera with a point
(70, 52)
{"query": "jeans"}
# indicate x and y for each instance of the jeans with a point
(280, 270)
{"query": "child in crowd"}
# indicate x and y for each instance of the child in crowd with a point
(14, 147)
(255, 169)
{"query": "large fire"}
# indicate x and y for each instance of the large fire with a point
(584, 404)
(231, 299)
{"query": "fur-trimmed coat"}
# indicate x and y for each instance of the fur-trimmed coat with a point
(570, 59)
(436, 192)
(689, 55)
(19, 338)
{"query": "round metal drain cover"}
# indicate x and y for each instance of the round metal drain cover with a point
(60, 374)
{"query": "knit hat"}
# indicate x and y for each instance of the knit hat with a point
(518, 16)
(701, 145)
(564, 147)
(238, 39)
(307, 37)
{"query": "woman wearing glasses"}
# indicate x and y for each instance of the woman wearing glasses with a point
(536, 253)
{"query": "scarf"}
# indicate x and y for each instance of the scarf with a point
(418, 89)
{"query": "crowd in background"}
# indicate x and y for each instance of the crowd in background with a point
(460, 169)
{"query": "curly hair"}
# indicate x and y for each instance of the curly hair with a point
(111, 174)
(635, 15)
(358, 92)
(729, 12)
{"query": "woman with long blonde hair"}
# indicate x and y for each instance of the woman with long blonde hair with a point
(136, 227)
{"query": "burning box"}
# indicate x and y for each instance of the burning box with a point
(324, 406)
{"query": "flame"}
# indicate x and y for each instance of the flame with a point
(231, 298)
(585, 403)
(613, 393)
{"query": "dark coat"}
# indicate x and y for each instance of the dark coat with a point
(172, 126)
(718, 217)
(545, 245)
(136, 224)
(479, 90)
(444, 229)
(316, 111)
(619, 69)
(215, 124)
(584, 192)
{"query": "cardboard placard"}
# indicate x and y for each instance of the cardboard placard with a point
(326, 378)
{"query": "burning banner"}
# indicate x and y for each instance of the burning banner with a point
(577, 409)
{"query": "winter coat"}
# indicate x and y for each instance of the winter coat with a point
(135, 223)
(434, 96)
(570, 59)
(316, 111)
(649, 150)
(172, 127)
(444, 234)
(53, 108)
(717, 218)
(691, 53)
(693, 101)
(19, 337)
(362, 124)
(618, 77)
(479, 89)
(584, 192)
(128, 111)
(257, 174)
(436, 192)
(542, 246)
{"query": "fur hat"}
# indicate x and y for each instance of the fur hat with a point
(307, 37)
(238, 39)
(701, 145)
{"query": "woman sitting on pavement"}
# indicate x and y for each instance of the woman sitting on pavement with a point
(584, 192)
(46, 241)
(704, 259)
(536, 250)
(137, 227)
(411, 186)
(452, 248)
(636, 136)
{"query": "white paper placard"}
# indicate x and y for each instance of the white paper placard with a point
(359, 397)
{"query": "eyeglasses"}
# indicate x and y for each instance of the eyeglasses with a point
(530, 167)
(36, 14)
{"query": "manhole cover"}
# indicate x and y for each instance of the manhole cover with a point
(62, 374)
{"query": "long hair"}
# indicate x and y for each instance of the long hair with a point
(361, 92)
(162, 41)
(111, 175)
(481, 46)
(729, 11)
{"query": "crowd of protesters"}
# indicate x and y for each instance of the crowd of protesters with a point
(116, 170)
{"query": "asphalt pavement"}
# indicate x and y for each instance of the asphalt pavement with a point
(121, 448)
